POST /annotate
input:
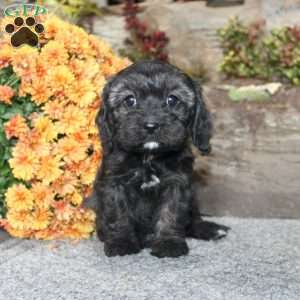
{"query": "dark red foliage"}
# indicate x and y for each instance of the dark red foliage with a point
(295, 32)
(151, 43)
(255, 30)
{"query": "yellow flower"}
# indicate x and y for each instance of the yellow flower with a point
(72, 120)
(54, 109)
(88, 170)
(81, 138)
(65, 184)
(18, 198)
(39, 90)
(74, 234)
(16, 127)
(34, 142)
(52, 26)
(76, 199)
(85, 227)
(23, 163)
(46, 234)
(99, 48)
(91, 118)
(6, 53)
(54, 53)
(46, 128)
(70, 150)
(48, 168)
(87, 69)
(59, 78)
(23, 59)
(43, 195)
(75, 40)
(6, 93)
(63, 210)
(82, 93)
(40, 219)
(19, 233)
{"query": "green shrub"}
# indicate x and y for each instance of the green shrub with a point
(249, 51)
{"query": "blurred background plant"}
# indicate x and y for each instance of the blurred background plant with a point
(249, 51)
(75, 9)
(79, 12)
(143, 42)
(242, 48)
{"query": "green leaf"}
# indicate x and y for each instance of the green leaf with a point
(3, 140)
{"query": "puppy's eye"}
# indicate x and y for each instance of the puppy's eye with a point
(130, 101)
(172, 100)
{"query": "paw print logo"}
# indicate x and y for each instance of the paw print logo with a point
(24, 32)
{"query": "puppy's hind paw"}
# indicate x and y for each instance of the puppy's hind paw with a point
(207, 231)
(121, 248)
(169, 248)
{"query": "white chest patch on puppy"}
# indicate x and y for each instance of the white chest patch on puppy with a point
(151, 145)
(153, 182)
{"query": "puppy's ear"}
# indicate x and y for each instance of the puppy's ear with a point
(104, 122)
(201, 125)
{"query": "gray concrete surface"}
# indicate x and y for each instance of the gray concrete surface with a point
(259, 260)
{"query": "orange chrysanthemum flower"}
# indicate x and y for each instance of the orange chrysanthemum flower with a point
(49, 168)
(46, 128)
(6, 52)
(53, 25)
(39, 91)
(40, 219)
(72, 120)
(16, 127)
(59, 78)
(54, 53)
(65, 184)
(18, 220)
(23, 163)
(82, 93)
(76, 199)
(88, 171)
(34, 142)
(6, 93)
(58, 153)
(18, 197)
(43, 195)
(23, 59)
(54, 109)
(63, 210)
(70, 150)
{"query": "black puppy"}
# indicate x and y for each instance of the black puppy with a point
(143, 188)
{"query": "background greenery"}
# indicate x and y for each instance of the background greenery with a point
(251, 51)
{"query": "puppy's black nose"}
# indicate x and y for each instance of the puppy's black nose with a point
(151, 126)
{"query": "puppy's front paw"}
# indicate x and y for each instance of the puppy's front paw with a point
(121, 247)
(169, 248)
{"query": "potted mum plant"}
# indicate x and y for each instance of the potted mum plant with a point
(50, 150)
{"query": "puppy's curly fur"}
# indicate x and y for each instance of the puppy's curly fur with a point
(144, 186)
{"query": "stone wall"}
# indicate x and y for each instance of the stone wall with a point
(192, 27)
(254, 168)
